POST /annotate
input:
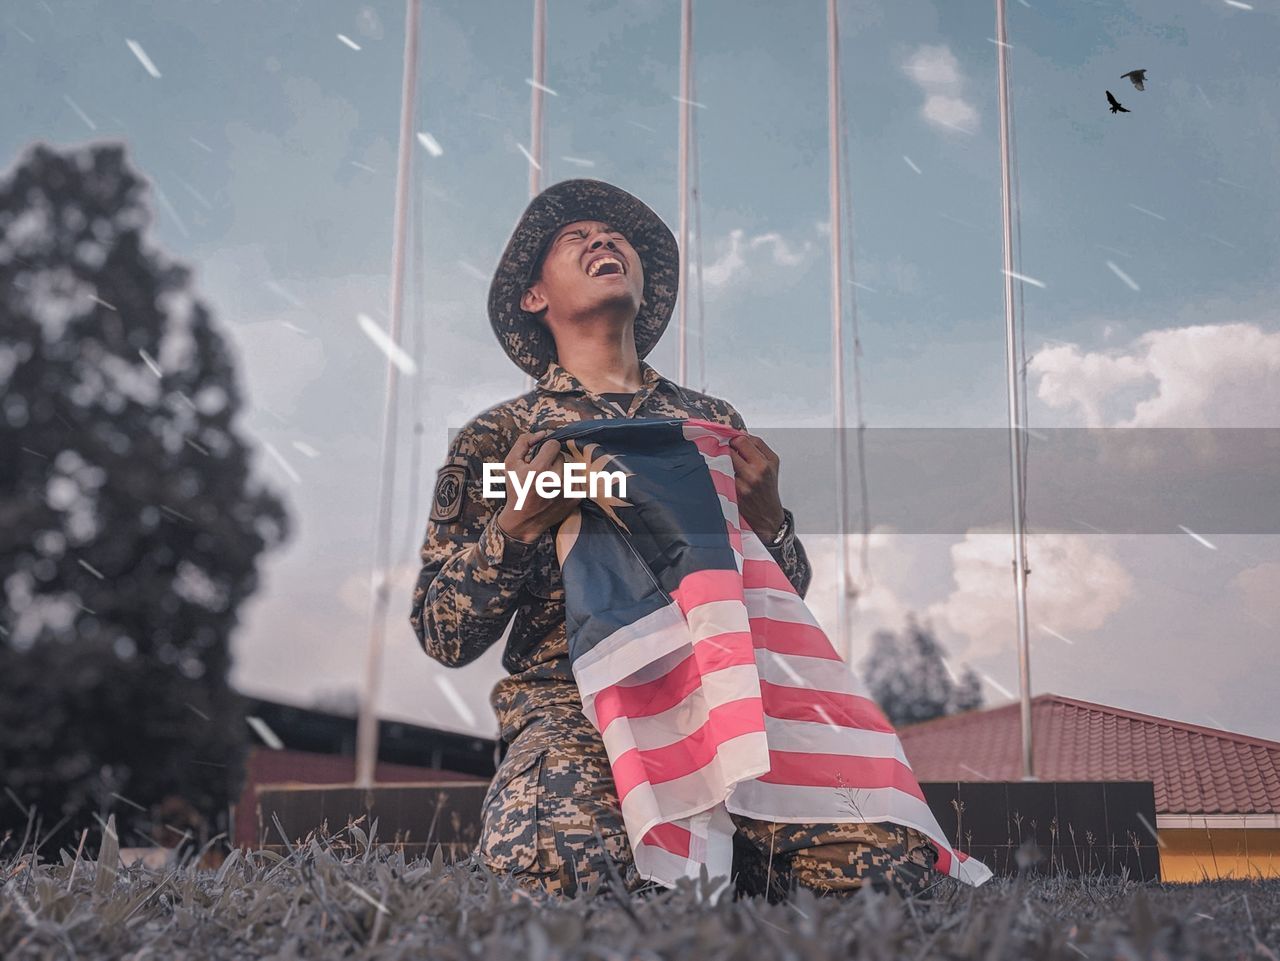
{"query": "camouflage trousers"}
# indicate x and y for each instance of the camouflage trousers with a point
(552, 820)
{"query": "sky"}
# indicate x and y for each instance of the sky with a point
(1150, 239)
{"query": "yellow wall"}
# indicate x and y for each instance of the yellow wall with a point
(1190, 854)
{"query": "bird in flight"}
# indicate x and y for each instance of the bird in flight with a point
(1115, 104)
(1139, 77)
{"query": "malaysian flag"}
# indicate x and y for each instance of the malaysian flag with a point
(711, 683)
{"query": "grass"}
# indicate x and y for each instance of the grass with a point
(345, 895)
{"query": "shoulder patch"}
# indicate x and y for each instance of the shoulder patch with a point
(446, 503)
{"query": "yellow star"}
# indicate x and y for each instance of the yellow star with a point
(587, 456)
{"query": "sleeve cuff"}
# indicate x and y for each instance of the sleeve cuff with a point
(500, 550)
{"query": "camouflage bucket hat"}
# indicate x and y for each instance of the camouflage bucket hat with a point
(521, 334)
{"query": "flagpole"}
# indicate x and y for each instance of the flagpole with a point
(367, 723)
(1015, 408)
(535, 101)
(535, 110)
(686, 98)
(843, 640)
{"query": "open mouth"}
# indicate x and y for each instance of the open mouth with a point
(606, 265)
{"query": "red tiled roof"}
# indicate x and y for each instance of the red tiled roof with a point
(1195, 770)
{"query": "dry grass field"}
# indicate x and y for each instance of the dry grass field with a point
(344, 897)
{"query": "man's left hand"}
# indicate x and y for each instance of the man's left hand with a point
(755, 468)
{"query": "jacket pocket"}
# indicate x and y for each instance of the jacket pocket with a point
(509, 836)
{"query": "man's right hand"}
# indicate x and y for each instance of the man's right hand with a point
(539, 514)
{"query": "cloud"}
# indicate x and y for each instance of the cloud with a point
(935, 70)
(933, 67)
(1256, 588)
(904, 571)
(1071, 378)
(783, 253)
(879, 604)
(738, 253)
(727, 266)
(1204, 375)
(953, 112)
(1078, 585)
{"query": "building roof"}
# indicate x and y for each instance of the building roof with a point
(1194, 769)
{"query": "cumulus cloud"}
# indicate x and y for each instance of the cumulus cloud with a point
(1205, 375)
(1084, 381)
(1078, 585)
(879, 604)
(935, 70)
(905, 570)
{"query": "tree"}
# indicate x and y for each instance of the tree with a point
(130, 528)
(909, 680)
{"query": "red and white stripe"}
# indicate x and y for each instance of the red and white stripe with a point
(732, 699)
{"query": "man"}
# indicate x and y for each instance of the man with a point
(583, 291)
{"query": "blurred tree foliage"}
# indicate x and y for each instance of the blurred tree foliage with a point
(130, 527)
(908, 679)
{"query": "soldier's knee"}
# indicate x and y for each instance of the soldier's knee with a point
(585, 862)
(891, 857)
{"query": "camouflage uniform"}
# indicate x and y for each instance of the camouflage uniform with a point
(554, 788)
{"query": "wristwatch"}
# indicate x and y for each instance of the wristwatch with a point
(783, 529)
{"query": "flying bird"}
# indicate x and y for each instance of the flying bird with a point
(1115, 104)
(1139, 77)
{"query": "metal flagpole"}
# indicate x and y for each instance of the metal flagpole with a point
(1015, 411)
(855, 587)
(367, 724)
(535, 110)
(535, 102)
(686, 104)
(695, 199)
(843, 640)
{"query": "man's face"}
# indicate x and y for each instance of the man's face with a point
(587, 266)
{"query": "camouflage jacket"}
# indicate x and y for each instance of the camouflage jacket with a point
(475, 580)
